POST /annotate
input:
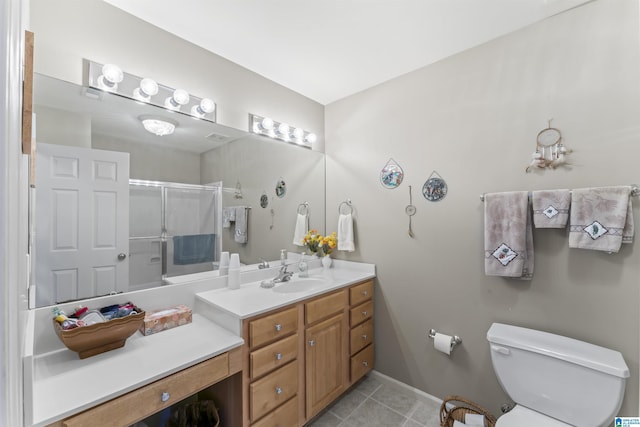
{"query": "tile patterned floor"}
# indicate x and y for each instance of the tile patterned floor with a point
(374, 403)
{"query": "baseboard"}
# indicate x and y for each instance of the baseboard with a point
(419, 394)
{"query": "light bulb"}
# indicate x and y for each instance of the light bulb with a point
(110, 77)
(283, 129)
(147, 89)
(298, 133)
(206, 106)
(180, 97)
(267, 124)
(311, 138)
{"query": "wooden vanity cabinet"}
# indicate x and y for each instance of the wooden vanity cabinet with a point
(299, 359)
(214, 378)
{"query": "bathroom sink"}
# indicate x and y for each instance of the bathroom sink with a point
(299, 285)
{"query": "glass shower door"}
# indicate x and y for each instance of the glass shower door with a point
(145, 235)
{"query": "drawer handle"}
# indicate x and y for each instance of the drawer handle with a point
(365, 337)
(278, 356)
(278, 390)
(312, 343)
(278, 327)
(364, 313)
(365, 363)
(165, 396)
(365, 293)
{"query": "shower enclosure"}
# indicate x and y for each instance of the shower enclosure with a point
(174, 229)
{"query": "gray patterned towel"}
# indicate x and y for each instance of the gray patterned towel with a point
(550, 208)
(508, 236)
(601, 218)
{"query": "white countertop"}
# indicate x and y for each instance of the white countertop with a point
(250, 299)
(59, 384)
(64, 384)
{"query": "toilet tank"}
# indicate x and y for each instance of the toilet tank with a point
(573, 381)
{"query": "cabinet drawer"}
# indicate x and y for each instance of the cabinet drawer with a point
(139, 404)
(325, 306)
(273, 390)
(362, 363)
(360, 293)
(361, 313)
(273, 356)
(284, 416)
(361, 336)
(278, 325)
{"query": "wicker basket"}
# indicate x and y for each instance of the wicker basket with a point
(454, 408)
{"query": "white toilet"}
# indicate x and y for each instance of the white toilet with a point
(556, 381)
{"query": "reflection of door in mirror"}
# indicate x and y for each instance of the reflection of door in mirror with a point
(82, 223)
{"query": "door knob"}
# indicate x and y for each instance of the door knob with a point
(121, 256)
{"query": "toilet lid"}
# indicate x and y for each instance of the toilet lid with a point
(520, 416)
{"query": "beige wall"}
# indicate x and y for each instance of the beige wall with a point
(473, 118)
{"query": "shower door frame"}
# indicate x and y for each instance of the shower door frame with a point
(163, 237)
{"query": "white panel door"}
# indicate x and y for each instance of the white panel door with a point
(82, 223)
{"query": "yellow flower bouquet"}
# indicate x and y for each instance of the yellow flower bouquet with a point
(317, 243)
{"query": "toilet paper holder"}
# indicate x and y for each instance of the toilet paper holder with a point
(455, 340)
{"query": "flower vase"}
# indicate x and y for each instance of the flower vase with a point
(326, 261)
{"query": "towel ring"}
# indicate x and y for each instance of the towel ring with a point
(348, 204)
(303, 208)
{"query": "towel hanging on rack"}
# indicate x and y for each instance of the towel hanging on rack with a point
(508, 235)
(601, 218)
(302, 224)
(346, 241)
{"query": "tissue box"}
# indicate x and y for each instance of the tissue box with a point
(160, 320)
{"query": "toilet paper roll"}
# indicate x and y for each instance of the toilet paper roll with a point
(442, 343)
(474, 420)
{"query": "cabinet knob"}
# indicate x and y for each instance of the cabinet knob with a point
(278, 327)
(312, 343)
(365, 337)
(365, 363)
(278, 390)
(278, 356)
(364, 313)
(165, 396)
(365, 293)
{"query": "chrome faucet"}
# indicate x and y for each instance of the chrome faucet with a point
(263, 264)
(283, 275)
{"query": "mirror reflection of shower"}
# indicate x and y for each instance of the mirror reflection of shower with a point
(174, 229)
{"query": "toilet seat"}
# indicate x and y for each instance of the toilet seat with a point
(520, 416)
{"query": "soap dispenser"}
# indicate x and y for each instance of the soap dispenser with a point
(303, 268)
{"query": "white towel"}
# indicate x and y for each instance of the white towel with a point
(508, 235)
(301, 229)
(601, 218)
(240, 235)
(345, 233)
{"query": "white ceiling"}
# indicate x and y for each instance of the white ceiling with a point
(329, 49)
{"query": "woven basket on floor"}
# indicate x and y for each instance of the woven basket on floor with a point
(454, 408)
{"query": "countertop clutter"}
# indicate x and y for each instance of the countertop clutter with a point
(50, 368)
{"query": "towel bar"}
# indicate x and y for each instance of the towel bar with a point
(635, 192)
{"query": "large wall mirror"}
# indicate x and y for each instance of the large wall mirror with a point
(183, 182)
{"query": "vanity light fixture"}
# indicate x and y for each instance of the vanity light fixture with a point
(279, 130)
(148, 88)
(159, 126)
(111, 78)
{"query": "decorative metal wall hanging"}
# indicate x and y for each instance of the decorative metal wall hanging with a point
(391, 175)
(411, 211)
(281, 188)
(264, 200)
(238, 192)
(550, 151)
(435, 188)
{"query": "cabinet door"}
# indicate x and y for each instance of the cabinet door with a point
(325, 363)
